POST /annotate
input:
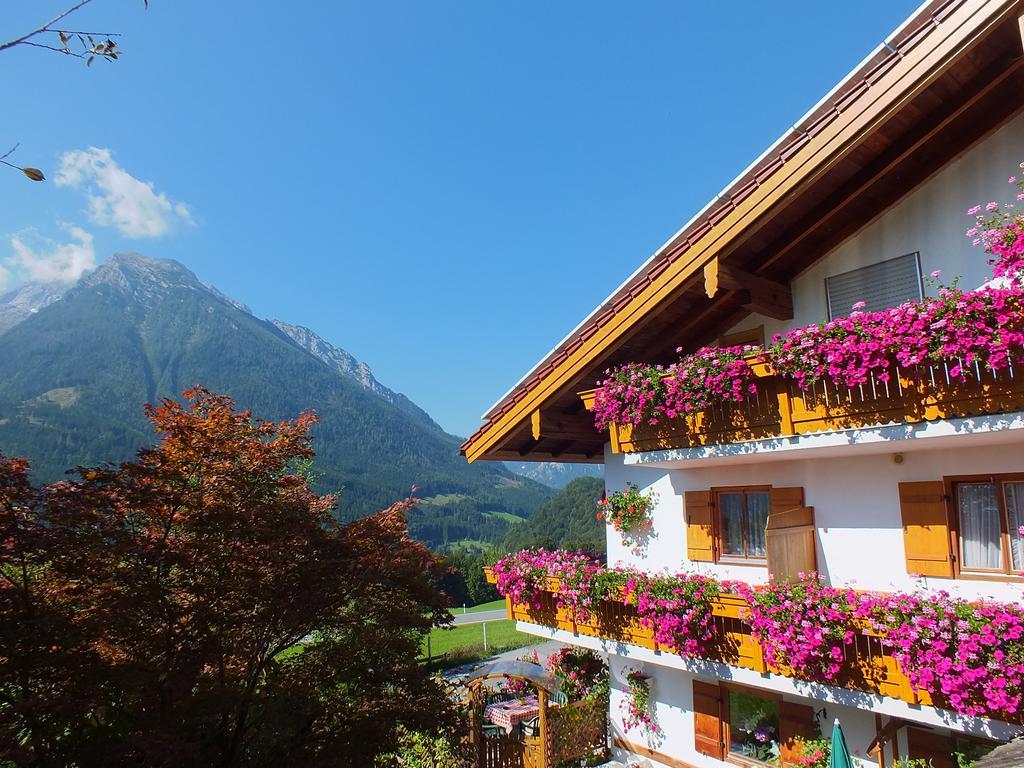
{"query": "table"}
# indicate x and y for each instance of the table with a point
(510, 713)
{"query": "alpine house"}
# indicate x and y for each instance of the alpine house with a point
(812, 435)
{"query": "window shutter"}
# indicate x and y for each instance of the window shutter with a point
(707, 719)
(926, 528)
(934, 747)
(790, 544)
(699, 521)
(795, 720)
(785, 499)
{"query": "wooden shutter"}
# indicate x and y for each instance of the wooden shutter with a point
(707, 719)
(935, 747)
(926, 528)
(700, 516)
(795, 720)
(789, 541)
(785, 499)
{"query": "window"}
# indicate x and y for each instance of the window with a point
(879, 286)
(752, 721)
(989, 513)
(742, 517)
(753, 337)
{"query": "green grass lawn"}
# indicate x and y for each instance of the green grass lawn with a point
(465, 643)
(494, 605)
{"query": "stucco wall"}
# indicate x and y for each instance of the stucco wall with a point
(930, 220)
(672, 691)
(859, 539)
(856, 510)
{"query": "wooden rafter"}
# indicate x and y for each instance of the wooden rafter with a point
(755, 293)
(561, 426)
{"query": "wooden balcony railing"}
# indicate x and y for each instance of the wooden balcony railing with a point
(780, 408)
(867, 666)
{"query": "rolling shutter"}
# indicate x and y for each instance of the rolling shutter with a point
(707, 720)
(926, 529)
(795, 720)
(880, 286)
(700, 540)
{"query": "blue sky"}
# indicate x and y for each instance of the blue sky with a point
(443, 189)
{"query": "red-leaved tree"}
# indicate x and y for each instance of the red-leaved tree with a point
(200, 606)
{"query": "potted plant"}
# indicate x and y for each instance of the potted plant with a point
(628, 511)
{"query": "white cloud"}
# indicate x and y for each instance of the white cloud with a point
(53, 263)
(5, 277)
(118, 199)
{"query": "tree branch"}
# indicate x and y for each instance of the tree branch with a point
(65, 51)
(47, 27)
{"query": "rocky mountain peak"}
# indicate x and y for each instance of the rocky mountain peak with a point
(141, 276)
(346, 364)
(27, 299)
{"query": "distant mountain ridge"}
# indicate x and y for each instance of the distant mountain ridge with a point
(19, 303)
(568, 520)
(76, 371)
(347, 365)
(554, 474)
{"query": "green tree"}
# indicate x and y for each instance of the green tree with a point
(201, 606)
(568, 520)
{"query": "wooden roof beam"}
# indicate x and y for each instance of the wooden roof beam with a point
(558, 426)
(755, 293)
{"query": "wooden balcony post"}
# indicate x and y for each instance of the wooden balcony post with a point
(785, 407)
(545, 737)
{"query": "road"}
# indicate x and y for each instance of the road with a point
(544, 649)
(479, 617)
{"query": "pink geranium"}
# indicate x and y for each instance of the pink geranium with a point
(968, 656)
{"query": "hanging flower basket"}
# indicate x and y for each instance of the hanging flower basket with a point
(627, 511)
(636, 707)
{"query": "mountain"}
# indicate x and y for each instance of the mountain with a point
(75, 374)
(27, 299)
(553, 474)
(568, 519)
(347, 365)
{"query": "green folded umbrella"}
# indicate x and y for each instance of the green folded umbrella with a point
(840, 757)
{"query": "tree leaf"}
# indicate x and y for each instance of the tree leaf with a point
(33, 173)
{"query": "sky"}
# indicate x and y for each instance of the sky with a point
(444, 189)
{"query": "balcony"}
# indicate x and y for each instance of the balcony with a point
(867, 666)
(781, 409)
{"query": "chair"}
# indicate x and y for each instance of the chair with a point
(531, 727)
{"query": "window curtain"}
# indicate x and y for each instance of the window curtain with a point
(980, 532)
(1014, 494)
(732, 523)
(758, 506)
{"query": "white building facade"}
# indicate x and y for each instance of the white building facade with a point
(863, 199)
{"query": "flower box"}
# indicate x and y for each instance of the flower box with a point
(867, 665)
(927, 392)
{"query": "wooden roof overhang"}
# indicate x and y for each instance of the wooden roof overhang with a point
(950, 76)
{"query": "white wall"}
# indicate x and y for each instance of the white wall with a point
(856, 510)
(672, 691)
(680, 670)
(931, 220)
